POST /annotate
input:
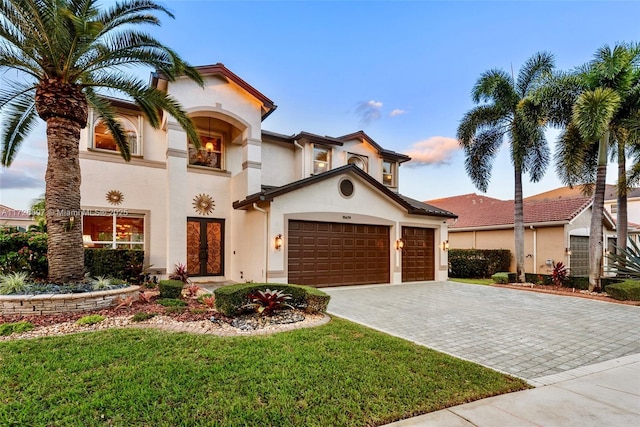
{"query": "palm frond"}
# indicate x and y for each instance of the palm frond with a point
(537, 157)
(479, 118)
(626, 261)
(495, 86)
(593, 111)
(479, 157)
(539, 65)
(108, 115)
(21, 119)
(572, 157)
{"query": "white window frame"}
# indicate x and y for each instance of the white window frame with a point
(208, 134)
(393, 166)
(114, 242)
(314, 161)
(136, 149)
(364, 159)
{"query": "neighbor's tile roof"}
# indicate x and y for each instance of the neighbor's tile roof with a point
(476, 211)
(576, 192)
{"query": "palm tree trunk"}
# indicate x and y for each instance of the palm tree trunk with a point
(64, 107)
(622, 212)
(65, 252)
(518, 225)
(597, 211)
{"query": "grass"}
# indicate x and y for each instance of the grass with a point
(473, 281)
(337, 374)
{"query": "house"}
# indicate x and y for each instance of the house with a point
(19, 218)
(254, 205)
(556, 229)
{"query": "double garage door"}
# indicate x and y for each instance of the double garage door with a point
(338, 254)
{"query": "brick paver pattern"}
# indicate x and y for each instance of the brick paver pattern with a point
(527, 334)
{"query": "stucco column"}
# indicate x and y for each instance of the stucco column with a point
(252, 165)
(177, 196)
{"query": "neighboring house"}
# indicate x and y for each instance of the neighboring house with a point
(19, 218)
(253, 205)
(555, 229)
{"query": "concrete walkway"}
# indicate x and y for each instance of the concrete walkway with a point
(582, 355)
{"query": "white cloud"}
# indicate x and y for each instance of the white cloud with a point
(397, 112)
(436, 150)
(369, 111)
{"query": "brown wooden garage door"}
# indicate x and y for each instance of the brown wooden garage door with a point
(418, 259)
(335, 254)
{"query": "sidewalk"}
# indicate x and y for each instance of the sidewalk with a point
(604, 394)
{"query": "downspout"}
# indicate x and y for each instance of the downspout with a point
(295, 142)
(535, 249)
(266, 239)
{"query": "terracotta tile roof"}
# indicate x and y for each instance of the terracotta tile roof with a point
(576, 192)
(9, 213)
(476, 211)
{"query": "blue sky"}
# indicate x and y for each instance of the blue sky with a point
(401, 71)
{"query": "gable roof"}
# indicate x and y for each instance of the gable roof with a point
(477, 211)
(412, 206)
(220, 70)
(339, 141)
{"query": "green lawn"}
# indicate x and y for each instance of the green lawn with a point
(473, 281)
(339, 374)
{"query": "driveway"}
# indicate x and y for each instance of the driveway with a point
(526, 334)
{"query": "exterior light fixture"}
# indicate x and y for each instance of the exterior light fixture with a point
(399, 244)
(445, 245)
(567, 251)
(209, 147)
(278, 241)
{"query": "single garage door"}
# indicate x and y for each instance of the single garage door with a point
(336, 254)
(418, 258)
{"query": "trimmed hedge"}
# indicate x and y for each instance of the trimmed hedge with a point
(124, 264)
(629, 290)
(171, 289)
(474, 263)
(501, 278)
(230, 299)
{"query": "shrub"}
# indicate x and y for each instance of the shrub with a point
(628, 290)
(267, 301)
(16, 327)
(230, 299)
(171, 302)
(473, 263)
(13, 283)
(124, 264)
(538, 279)
(141, 317)
(170, 288)
(100, 283)
(91, 319)
(23, 251)
(501, 278)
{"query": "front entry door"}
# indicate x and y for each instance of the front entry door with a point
(205, 248)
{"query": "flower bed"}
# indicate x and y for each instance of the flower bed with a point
(46, 304)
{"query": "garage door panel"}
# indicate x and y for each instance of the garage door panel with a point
(418, 254)
(336, 254)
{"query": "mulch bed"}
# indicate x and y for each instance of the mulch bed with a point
(558, 290)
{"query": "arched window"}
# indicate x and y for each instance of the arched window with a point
(103, 140)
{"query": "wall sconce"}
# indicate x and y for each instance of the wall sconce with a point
(445, 245)
(399, 244)
(278, 242)
(567, 251)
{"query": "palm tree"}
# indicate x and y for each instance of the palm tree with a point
(501, 116)
(595, 105)
(64, 53)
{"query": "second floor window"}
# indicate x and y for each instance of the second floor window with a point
(103, 140)
(210, 152)
(388, 173)
(358, 160)
(321, 159)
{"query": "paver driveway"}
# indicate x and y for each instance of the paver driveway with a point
(526, 334)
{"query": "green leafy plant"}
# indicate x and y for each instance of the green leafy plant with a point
(628, 290)
(560, 274)
(16, 327)
(141, 317)
(13, 283)
(170, 288)
(626, 262)
(171, 302)
(501, 278)
(100, 283)
(267, 301)
(91, 319)
(180, 273)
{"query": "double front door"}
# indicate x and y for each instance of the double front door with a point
(205, 247)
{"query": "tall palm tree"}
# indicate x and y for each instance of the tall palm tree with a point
(499, 117)
(595, 105)
(64, 54)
